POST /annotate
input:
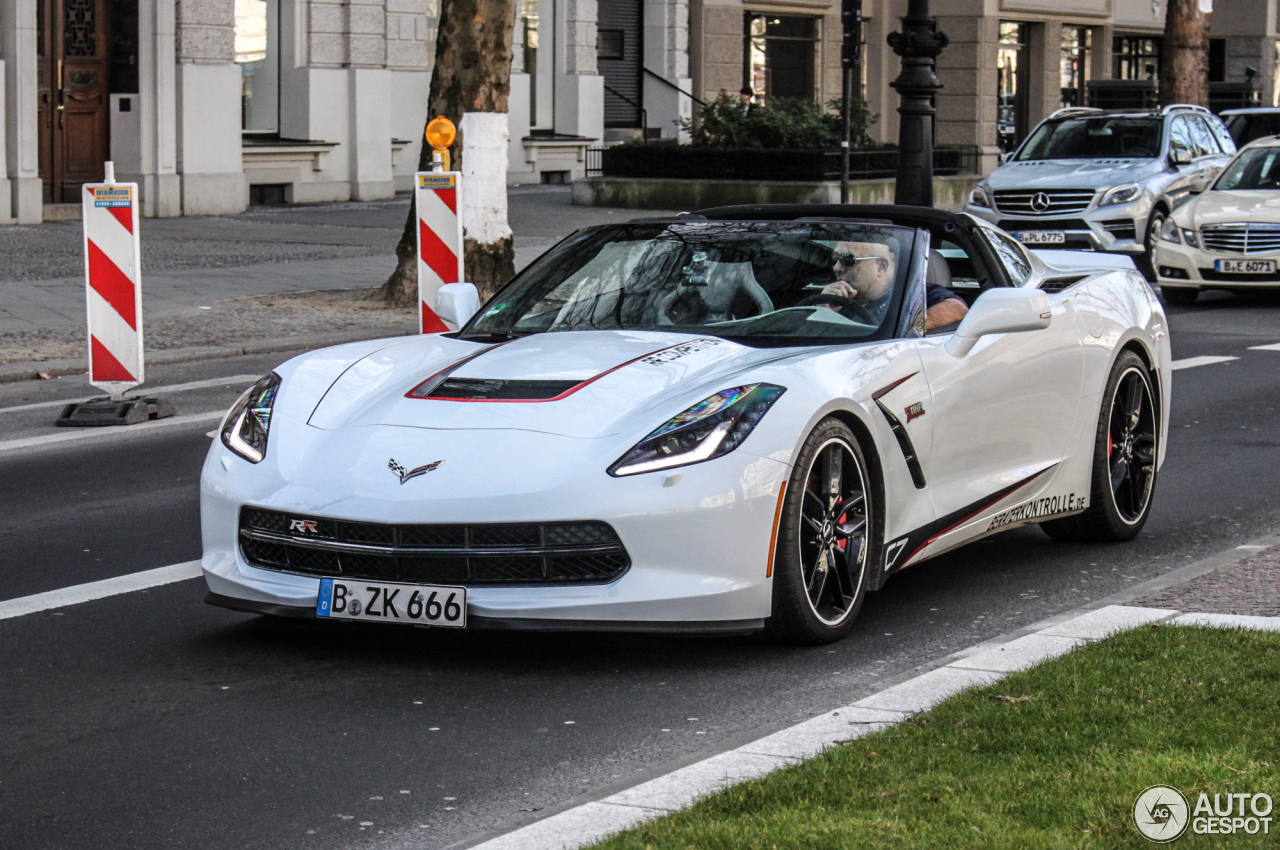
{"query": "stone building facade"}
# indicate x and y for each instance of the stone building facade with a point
(211, 105)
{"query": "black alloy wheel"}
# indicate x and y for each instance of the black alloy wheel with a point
(825, 539)
(1124, 463)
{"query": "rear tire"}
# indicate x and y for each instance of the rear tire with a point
(827, 543)
(1180, 295)
(1124, 461)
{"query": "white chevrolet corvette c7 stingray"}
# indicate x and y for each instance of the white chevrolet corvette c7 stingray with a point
(725, 421)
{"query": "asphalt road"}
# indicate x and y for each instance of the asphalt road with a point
(152, 720)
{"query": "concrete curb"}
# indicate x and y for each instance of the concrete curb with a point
(32, 370)
(591, 818)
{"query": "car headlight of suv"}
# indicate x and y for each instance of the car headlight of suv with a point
(1169, 231)
(711, 428)
(1121, 194)
(247, 424)
(979, 197)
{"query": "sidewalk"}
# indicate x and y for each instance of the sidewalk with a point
(204, 279)
(1233, 590)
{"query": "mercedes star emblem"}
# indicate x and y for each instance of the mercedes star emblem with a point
(1040, 201)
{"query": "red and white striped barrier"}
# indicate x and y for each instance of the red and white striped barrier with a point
(439, 241)
(113, 284)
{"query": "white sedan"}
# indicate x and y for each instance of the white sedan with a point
(1229, 236)
(719, 422)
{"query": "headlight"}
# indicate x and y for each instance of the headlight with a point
(713, 427)
(1189, 236)
(979, 197)
(244, 431)
(1122, 194)
(1169, 231)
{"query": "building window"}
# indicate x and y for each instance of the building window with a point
(536, 23)
(1217, 60)
(258, 55)
(1135, 57)
(1075, 65)
(780, 56)
(1011, 70)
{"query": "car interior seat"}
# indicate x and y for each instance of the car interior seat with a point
(714, 292)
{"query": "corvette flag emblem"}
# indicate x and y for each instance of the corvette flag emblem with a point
(413, 473)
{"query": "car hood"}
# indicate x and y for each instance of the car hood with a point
(610, 378)
(1071, 173)
(1232, 206)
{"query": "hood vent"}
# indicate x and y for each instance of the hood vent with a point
(485, 389)
(1057, 284)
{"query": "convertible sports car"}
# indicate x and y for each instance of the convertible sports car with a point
(724, 421)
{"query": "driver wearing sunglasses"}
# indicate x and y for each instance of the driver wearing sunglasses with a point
(864, 274)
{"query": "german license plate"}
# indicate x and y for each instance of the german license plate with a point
(414, 604)
(1041, 237)
(1245, 266)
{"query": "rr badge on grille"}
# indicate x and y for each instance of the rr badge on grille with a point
(413, 473)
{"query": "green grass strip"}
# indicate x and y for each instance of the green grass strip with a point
(1195, 708)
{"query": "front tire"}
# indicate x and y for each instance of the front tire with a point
(826, 540)
(1124, 460)
(1147, 262)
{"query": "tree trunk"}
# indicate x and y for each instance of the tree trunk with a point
(1184, 59)
(472, 74)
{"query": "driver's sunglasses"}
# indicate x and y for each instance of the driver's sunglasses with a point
(847, 260)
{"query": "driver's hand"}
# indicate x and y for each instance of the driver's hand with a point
(842, 288)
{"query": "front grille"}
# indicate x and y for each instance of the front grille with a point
(1044, 201)
(1013, 225)
(1242, 238)
(469, 554)
(1229, 277)
(1121, 228)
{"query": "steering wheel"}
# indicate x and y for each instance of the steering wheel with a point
(859, 311)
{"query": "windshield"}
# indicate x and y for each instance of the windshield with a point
(1095, 137)
(1253, 169)
(759, 283)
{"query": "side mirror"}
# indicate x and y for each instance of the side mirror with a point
(456, 303)
(1181, 156)
(1001, 311)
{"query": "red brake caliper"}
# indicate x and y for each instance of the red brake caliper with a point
(840, 544)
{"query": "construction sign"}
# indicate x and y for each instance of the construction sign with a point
(439, 241)
(113, 285)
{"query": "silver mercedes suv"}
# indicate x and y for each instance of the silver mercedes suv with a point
(1103, 180)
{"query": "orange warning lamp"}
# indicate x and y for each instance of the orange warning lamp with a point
(440, 135)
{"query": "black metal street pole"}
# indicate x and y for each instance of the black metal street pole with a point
(918, 44)
(850, 61)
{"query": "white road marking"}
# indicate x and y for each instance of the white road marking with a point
(76, 594)
(1206, 360)
(1275, 346)
(148, 391)
(108, 432)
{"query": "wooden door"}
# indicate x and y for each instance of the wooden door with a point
(73, 103)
